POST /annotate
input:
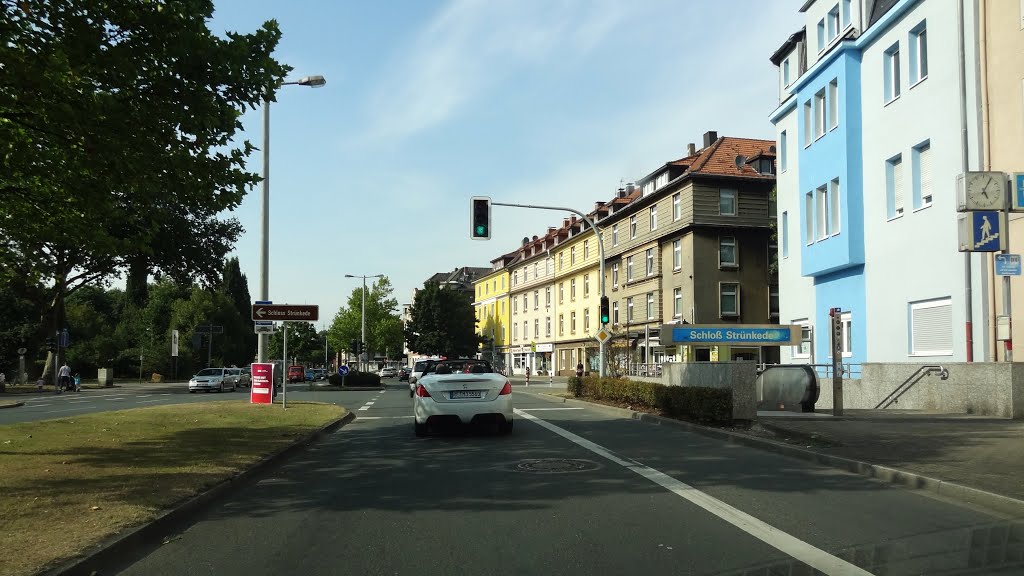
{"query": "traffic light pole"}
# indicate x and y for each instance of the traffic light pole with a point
(600, 252)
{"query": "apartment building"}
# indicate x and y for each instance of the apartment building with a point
(578, 296)
(533, 306)
(692, 243)
(493, 308)
(872, 133)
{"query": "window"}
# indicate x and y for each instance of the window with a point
(648, 187)
(803, 350)
(572, 289)
(526, 274)
(773, 302)
(526, 303)
(833, 104)
(918, 53)
(846, 14)
(727, 202)
(515, 332)
(677, 208)
(586, 285)
(586, 249)
(819, 114)
(765, 166)
(846, 325)
(515, 278)
(821, 35)
(894, 186)
(833, 22)
(727, 251)
(561, 292)
(785, 72)
(547, 296)
(891, 66)
(650, 305)
(632, 227)
(728, 299)
(586, 319)
(782, 151)
(677, 303)
(615, 312)
(834, 207)
(536, 328)
(921, 165)
(650, 261)
(931, 328)
(572, 256)
(526, 330)
(785, 234)
(629, 309)
(823, 222)
(654, 217)
(515, 306)
(572, 322)
(547, 327)
(536, 299)
(561, 324)
(615, 234)
(809, 218)
(677, 254)
(547, 265)
(615, 275)
(561, 260)
(807, 124)
(629, 268)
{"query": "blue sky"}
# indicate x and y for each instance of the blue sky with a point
(530, 101)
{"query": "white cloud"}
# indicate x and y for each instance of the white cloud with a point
(472, 44)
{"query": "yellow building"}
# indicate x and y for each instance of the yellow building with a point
(577, 298)
(493, 310)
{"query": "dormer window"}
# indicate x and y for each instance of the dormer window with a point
(661, 181)
(648, 188)
(765, 166)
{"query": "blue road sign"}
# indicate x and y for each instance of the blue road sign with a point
(769, 335)
(1018, 190)
(1007, 264)
(986, 231)
(65, 338)
(343, 370)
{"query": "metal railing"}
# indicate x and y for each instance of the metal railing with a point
(906, 385)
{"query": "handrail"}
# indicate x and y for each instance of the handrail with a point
(906, 385)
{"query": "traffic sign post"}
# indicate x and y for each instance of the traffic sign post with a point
(261, 390)
(286, 312)
(343, 371)
(836, 316)
(1008, 265)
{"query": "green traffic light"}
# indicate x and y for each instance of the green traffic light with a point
(480, 230)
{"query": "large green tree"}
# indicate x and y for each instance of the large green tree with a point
(383, 325)
(305, 345)
(117, 151)
(235, 286)
(443, 323)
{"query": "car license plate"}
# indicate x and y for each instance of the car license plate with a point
(457, 394)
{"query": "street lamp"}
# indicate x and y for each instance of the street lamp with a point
(313, 82)
(363, 314)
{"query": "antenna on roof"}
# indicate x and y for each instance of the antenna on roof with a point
(740, 161)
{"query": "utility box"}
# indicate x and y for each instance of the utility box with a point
(105, 377)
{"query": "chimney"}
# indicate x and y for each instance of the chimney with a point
(691, 149)
(565, 222)
(534, 238)
(710, 137)
(622, 193)
(598, 205)
(551, 229)
(630, 187)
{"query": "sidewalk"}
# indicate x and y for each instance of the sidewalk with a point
(977, 452)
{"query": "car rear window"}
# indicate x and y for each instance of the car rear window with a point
(462, 367)
(421, 366)
(211, 372)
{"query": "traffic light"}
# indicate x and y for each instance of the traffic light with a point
(51, 344)
(480, 218)
(604, 310)
(354, 346)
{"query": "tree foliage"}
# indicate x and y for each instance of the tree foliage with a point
(443, 323)
(383, 325)
(305, 345)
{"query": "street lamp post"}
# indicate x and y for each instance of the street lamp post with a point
(313, 82)
(363, 314)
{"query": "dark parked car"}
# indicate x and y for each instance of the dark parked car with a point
(403, 374)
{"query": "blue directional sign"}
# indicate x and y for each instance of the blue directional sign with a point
(1007, 264)
(343, 370)
(986, 231)
(263, 322)
(751, 335)
(1017, 180)
(65, 338)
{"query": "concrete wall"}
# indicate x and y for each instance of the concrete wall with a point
(986, 389)
(736, 376)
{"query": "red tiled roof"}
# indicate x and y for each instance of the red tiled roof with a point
(719, 159)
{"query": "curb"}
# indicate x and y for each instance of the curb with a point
(895, 476)
(11, 405)
(129, 546)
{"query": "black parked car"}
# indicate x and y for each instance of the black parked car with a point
(403, 374)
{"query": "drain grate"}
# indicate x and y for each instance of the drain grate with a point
(555, 465)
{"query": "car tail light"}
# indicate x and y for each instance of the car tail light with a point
(422, 392)
(506, 389)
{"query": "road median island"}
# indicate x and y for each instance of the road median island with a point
(70, 484)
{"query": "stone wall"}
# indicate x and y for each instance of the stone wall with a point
(736, 376)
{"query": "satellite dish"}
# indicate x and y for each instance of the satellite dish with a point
(740, 161)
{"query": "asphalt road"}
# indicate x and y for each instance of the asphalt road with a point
(571, 491)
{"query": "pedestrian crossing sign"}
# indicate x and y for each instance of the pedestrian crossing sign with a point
(982, 231)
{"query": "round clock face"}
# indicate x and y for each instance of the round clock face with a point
(985, 192)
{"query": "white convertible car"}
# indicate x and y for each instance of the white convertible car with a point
(465, 391)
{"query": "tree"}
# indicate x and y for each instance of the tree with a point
(443, 323)
(383, 325)
(117, 122)
(305, 345)
(235, 286)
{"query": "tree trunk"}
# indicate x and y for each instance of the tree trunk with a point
(53, 321)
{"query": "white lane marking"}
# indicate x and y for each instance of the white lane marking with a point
(144, 396)
(382, 417)
(145, 401)
(78, 401)
(118, 398)
(547, 409)
(364, 408)
(794, 547)
(369, 403)
(36, 405)
(166, 394)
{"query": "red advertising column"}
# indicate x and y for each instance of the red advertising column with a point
(261, 391)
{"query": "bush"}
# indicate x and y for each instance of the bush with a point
(699, 403)
(356, 379)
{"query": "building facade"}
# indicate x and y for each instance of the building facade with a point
(532, 272)
(870, 138)
(493, 310)
(577, 301)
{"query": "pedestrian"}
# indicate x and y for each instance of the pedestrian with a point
(579, 370)
(64, 377)
(527, 375)
(78, 382)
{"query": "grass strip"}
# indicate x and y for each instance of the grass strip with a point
(67, 484)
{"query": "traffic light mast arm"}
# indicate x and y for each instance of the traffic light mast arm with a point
(600, 250)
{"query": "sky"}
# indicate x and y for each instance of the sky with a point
(428, 103)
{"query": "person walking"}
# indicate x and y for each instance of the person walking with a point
(527, 375)
(579, 370)
(64, 377)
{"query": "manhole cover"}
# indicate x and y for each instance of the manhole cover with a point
(555, 465)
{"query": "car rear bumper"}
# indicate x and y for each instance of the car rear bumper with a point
(207, 386)
(425, 408)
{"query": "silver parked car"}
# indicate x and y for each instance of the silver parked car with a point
(219, 379)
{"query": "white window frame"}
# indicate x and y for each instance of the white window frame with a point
(809, 217)
(561, 292)
(586, 249)
(808, 118)
(722, 292)
(615, 275)
(918, 51)
(650, 305)
(629, 309)
(586, 285)
(677, 206)
(891, 87)
(725, 194)
(632, 227)
(547, 326)
(806, 336)
(615, 234)
(834, 207)
(629, 268)
(835, 24)
(572, 322)
(649, 258)
(846, 323)
(515, 332)
(819, 114)
(615, 313)
(894, 190)
(547, 297)
(572, 290)
(561, 324)
(785, 234)
(833, 104)
(785, 73)
(922, 183)
(726, 241)
(677, 303)
(515, 305)
(677, 254)
(586, 319)
(572, 256)
(661, 181)
(536, 299)
(654, 217)
(821, 212)
(941, 302)
(783, 156)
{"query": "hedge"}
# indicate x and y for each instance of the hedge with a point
(699, 403)
(356, 379)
